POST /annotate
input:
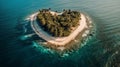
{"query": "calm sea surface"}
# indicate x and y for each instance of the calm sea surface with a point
(97, 53)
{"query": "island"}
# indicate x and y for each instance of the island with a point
(61, 30)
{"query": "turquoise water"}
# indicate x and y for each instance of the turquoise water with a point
(97, 53)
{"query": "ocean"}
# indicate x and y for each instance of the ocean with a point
(18, 50)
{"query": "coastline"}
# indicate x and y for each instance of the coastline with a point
(62, 43)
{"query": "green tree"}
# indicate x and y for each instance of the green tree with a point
(58, 25)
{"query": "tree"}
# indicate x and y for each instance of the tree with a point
(58, 25)
(43, 21)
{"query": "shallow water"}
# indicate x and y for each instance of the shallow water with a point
(97, 53)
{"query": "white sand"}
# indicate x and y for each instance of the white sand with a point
(54, 13)
(32, 17)
(58, 40)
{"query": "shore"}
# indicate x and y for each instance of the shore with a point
(60, 41)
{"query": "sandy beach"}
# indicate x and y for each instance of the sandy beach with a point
(58, 41)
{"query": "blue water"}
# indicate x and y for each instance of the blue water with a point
(97, 53)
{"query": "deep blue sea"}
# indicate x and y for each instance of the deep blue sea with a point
(102, 51)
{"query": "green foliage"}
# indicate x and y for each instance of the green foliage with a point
(58, 25)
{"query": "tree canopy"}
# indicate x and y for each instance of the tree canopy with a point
(58, 25)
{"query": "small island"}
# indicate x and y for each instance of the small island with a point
(61, 30)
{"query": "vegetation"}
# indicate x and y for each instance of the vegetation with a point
(58, 25)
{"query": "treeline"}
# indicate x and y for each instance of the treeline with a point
(60, 25)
